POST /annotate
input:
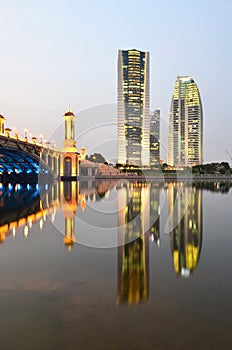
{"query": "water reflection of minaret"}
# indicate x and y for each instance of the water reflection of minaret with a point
(69, 202)
(185, 208)
(133, 257)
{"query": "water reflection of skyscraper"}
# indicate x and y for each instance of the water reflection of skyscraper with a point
(138, 211)
(133, 253)
(185, 219)
(155, 213)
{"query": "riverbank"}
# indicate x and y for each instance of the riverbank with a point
(168, 177)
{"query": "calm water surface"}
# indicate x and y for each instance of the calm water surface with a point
(151, 269)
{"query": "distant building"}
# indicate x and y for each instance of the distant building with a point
(185, 124)
(88, 168)
(155, 138)
(133, 111)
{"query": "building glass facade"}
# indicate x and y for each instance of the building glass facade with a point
(185, 124)
(133, 107)
(155, 138)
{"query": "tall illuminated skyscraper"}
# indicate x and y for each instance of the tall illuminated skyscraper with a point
(155, 138)
(133, 110)
(185, 124)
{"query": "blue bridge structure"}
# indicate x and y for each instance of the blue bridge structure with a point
(20, 158)
(28, 158)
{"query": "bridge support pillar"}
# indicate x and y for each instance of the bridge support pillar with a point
(69, 165)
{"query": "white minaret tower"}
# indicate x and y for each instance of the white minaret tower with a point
(69, 165)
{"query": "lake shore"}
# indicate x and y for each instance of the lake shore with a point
(168, 177)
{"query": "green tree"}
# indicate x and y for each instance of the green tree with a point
(96, 158)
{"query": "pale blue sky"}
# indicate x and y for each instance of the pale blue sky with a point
(56, 53)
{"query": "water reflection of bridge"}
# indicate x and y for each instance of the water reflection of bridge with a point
(22, 205)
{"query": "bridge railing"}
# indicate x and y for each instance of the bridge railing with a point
(30, 139)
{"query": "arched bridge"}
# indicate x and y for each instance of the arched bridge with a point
(20, 157)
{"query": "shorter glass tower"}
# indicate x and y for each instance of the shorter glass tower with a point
(185, 124)
(155, 138)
